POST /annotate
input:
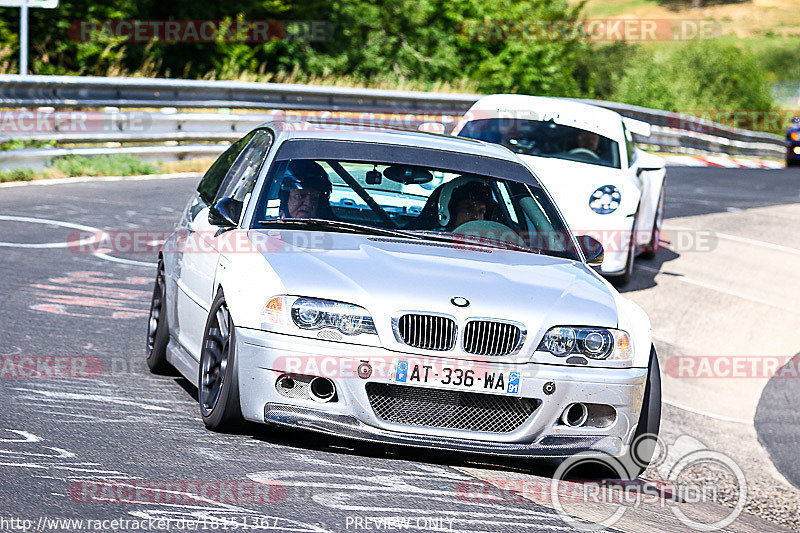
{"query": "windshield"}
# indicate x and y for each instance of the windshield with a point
(545, 139)
(413, 201)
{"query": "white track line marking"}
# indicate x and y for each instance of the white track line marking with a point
(57, 396)
(744, 240)
(709, 415)
(716, 288)
(26, 437)
(31, 220)
(81, 227)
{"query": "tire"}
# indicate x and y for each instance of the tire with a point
(645, 438)
(218, 384)
(625, 278)
(655, 234)
(158, 326)
(631, 464)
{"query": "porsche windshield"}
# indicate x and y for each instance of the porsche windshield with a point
(414, 201)
(545, 139)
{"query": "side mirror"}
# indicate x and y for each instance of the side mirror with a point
(431, 127)
(641, 170)
(226, 213)
(592, 250)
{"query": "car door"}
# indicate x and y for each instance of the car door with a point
(644, 214)
(201, 250)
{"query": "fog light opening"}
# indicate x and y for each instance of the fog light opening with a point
(286, 383)
(575, 415)
(322, 389)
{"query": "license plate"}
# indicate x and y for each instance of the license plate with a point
(453, 377)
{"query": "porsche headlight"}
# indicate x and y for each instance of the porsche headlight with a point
(316, 314)
(594, 343)
(605, 199)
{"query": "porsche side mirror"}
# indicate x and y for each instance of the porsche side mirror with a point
(592, 250)
(640, 170)
(431, 127)
(225, 213)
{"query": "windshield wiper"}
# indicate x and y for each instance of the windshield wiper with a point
(323, 224)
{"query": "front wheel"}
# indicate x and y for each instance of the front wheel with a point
(644, 442)
(218, 385)
(625, 278)
(655, 235)
(158, 327)
(645, 439)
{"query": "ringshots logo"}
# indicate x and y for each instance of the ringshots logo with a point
(596, 485)
(704, 489)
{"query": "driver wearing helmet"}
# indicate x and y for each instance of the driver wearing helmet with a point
(471, 201)
(305, 191)
(587, 140)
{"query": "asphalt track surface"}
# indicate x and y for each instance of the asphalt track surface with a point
(64, 440)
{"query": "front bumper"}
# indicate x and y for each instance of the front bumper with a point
(614, 231)
(793, 152)
(262, 357)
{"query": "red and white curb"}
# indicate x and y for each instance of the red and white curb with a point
(720, 161)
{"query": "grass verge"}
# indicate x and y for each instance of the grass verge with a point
(104, 165)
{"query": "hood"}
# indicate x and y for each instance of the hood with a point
(388, 275)
(571, 183)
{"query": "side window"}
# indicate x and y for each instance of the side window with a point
(629, 146)
(213, 177)
(243, 173)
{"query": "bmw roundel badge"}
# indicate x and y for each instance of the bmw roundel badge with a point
(459, 301)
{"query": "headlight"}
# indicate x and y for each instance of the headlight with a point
(314, 314)
(605, 199)
(594, 343)
(795, 135)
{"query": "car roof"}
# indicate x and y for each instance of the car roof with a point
(567, 112)
(301, 129)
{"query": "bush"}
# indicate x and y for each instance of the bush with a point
(104, 165)
(17, 174)
(697, 77)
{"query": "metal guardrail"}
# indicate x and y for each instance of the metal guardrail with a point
(671, 132)
(93, 92)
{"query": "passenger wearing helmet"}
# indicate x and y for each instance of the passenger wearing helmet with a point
(305, 191)
(471, 201)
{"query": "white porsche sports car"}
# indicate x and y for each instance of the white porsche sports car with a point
(404, 288)
(585, 156)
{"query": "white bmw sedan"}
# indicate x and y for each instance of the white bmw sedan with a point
(585, 156)
(399, 287)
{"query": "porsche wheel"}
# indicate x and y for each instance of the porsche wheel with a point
(624, 278)
(158, 327)
(655, 235)
(218, 386)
